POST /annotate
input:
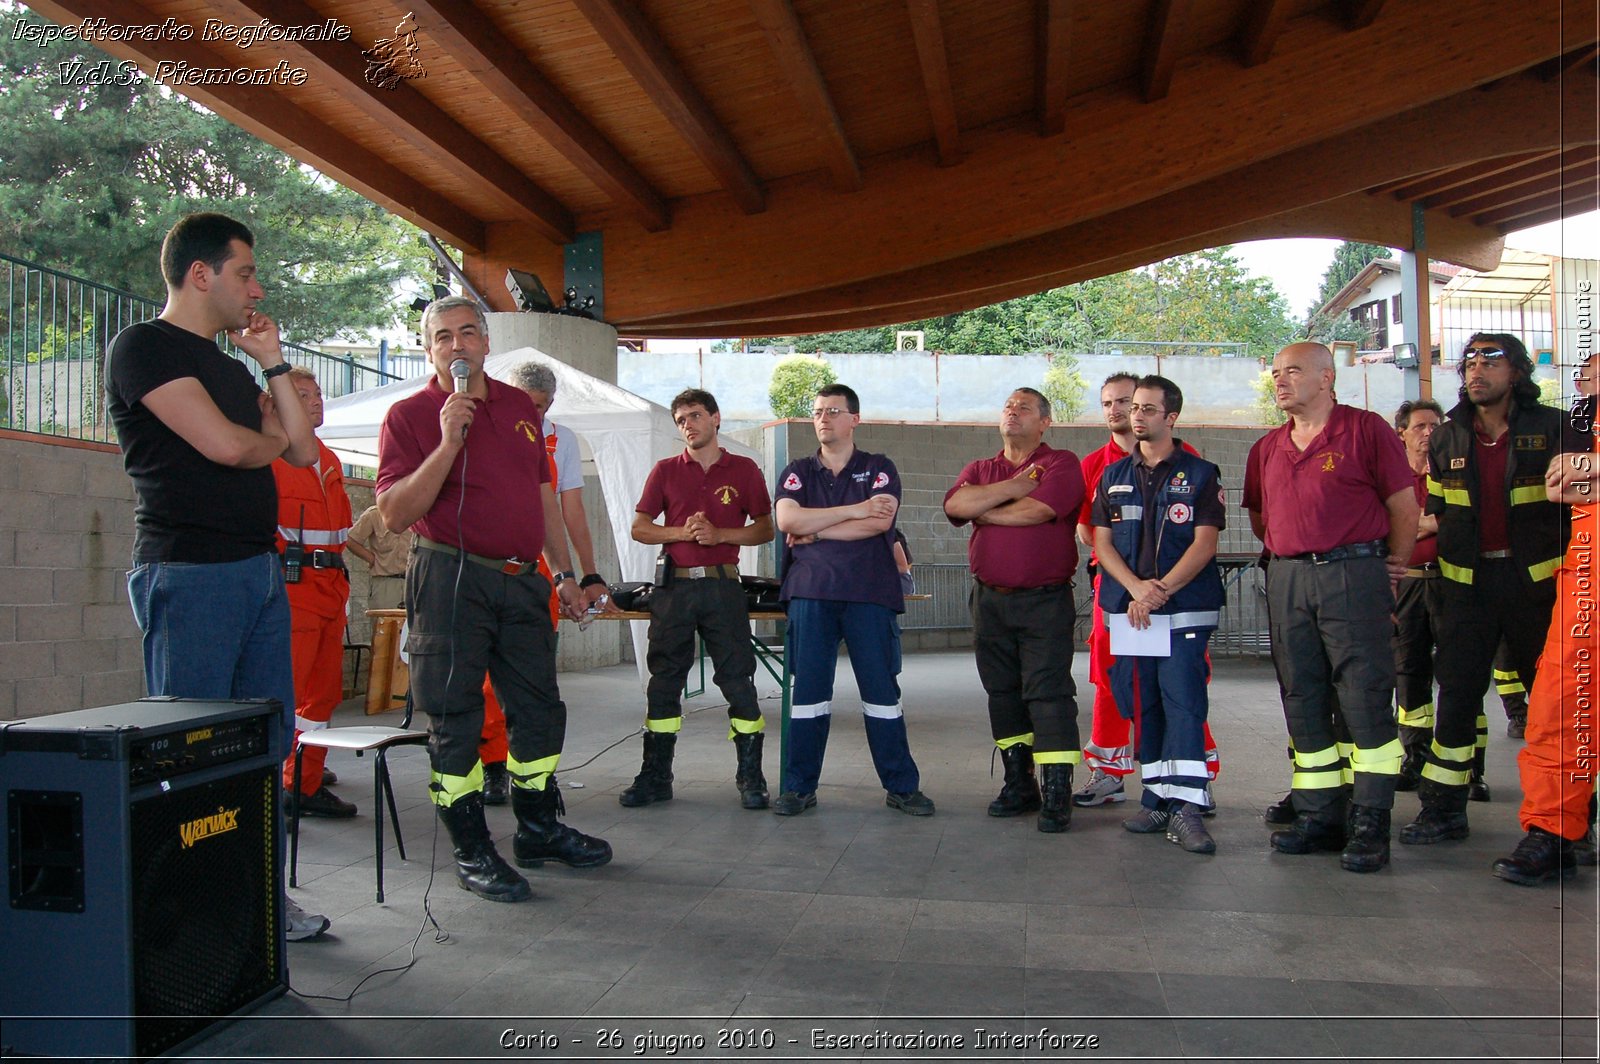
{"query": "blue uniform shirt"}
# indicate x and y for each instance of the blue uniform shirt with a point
(855, 571)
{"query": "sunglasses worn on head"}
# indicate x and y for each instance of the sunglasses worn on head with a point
(1483, 352)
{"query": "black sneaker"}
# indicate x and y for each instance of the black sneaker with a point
(321, 802)
(793, 803)
(913, 802)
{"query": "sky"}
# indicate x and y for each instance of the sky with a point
(1296, 267)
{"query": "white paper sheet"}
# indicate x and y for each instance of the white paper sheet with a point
(1128, 641)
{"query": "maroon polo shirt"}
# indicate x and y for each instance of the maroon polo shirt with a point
(1332, 493)
(1037, 555)
(1494, 505)
(1427, 550)
(505, 463)
(730, 492)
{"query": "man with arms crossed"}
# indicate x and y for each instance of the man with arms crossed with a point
(481, 505)
(197, 437)
(1331, 495)
(715, 503)
(1021, 504)
(836, 509)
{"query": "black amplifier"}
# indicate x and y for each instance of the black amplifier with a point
(144, 875)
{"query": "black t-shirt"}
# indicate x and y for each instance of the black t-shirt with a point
(189, 509)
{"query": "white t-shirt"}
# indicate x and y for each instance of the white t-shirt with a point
(569, 465)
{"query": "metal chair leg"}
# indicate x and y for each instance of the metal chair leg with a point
(394, 814)
(379, 774)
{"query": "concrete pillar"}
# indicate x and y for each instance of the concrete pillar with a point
(579, 342)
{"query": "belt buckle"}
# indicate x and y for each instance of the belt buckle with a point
(512, 567)
(697, 572)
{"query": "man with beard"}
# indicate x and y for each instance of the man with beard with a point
(1500, 542)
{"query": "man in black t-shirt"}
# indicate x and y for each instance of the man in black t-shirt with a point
(198, 438)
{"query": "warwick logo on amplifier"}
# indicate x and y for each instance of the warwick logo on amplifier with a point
(223, 820)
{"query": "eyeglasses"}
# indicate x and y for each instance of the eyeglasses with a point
(828, 411)
(1483, 352)
(1149, 411)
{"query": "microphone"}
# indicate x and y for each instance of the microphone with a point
(458, 372)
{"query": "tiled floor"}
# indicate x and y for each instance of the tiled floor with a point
(855, 920)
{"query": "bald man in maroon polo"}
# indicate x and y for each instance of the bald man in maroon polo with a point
(1330, 493)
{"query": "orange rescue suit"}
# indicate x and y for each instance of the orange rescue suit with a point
(317, 602)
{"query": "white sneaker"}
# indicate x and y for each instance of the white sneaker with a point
(301, 926)
(1100, 789)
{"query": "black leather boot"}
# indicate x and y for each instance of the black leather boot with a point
(749, 779)
(1540, 856)
(496, 783)
(654, 781)
(542, 837)
(1310, 833)
(1020, 792)
(1055, 808)
(1368, 847)
(1415, 742)
(1281, 811)
(479, 866)
(1443, 816)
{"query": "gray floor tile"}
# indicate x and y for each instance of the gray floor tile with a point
(924, 989)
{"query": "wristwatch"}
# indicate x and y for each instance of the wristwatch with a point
(563, 576)
(276, 371)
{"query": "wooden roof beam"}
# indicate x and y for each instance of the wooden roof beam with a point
(1582, 205)
(1264, 22)
(1050, 65)
(928, 34)
(1161, 45)
(797, 66)
(1468, 198)
(629, 34)
(1511, 216)
(1444, 180)
(501, 68)
(1359, 14)
(285, 126)
(414, 118)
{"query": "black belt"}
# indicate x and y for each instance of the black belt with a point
(322, 559)
(1376, 548)
(705, 572)
(1020, 590)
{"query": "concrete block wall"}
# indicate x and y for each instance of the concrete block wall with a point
(67, 637)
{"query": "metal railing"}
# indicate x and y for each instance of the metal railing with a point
(54, 329)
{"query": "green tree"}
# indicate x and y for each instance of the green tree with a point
(1191, 299)
(795, 382)
(1064, 386)
(1266, 401)
(96, 174)
(1349, 259)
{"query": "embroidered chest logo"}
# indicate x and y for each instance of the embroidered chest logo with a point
(791, 482)
(727, 493)
(1458, 463)
(880, 481)
(528, 429)
(1329, 460)
(1178, 513)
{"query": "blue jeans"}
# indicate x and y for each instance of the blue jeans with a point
(217, 631)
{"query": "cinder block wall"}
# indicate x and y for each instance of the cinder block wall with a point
(67, 637)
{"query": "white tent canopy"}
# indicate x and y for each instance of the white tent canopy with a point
(622, 433)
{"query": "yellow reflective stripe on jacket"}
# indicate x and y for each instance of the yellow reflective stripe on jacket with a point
(1461, 574)
(1435, 488)
(1544, 570)
(1531, 493)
